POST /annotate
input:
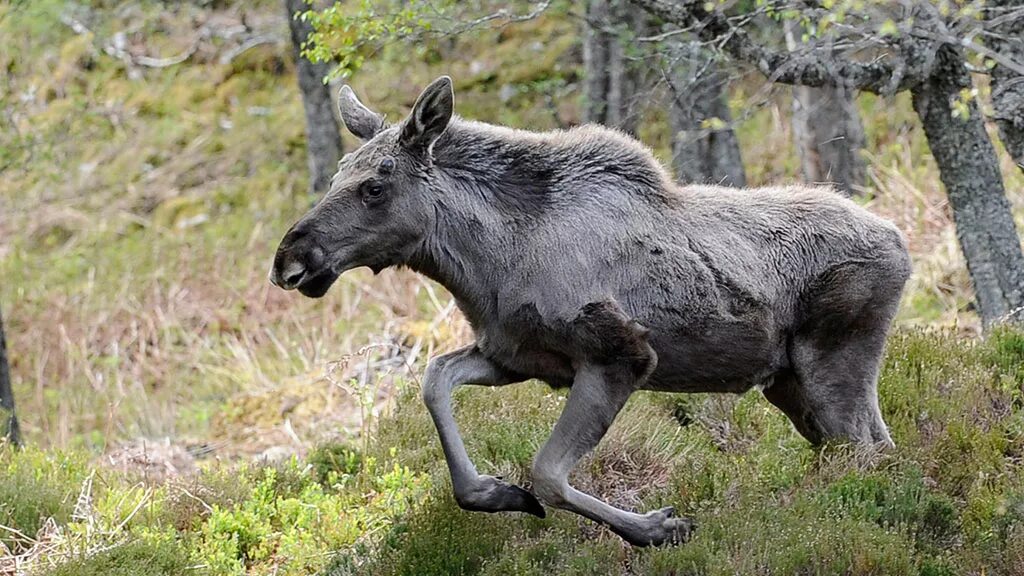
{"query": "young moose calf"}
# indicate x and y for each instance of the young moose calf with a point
(579, 262)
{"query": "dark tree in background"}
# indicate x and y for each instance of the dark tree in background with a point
(827, 130)
(704, 146)
(1007, 41)
(829, 136)
(612, 80)
(969, 170)
(8, 421)
(617, 84)
(322, 134)
(885, 48)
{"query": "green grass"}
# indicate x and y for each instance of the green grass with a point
(37, 486)
(132, 559)
(948, 500)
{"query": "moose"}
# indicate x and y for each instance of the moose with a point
(579, 262)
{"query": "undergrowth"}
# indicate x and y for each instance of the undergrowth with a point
(948, 500)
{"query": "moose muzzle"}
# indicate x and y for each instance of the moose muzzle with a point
(300, 263)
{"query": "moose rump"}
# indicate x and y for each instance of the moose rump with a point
(789, 290)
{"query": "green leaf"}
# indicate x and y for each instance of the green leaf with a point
(889, 28)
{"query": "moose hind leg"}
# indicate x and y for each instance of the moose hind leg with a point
(473, 491)
(837, 354)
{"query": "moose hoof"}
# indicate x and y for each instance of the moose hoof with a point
(662, 528)
(490, 494)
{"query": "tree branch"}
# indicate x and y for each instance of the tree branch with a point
(811, 67)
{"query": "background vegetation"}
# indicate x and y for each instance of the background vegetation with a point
(184, 417)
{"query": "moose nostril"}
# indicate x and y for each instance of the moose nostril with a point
(293, 273)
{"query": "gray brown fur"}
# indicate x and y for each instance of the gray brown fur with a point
(578, 262)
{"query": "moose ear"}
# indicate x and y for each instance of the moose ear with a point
(359, 119)
(430, 115)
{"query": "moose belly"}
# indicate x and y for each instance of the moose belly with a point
(726, 356)
(519, 356)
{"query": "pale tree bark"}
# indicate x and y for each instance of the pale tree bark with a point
(704, 147)
(323, 138)
(970, 171)
(8, 421)
(1008, 84)
(612, 81)
(827, 132)
(829, 137)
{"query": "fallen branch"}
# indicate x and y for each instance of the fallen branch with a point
(247, 45)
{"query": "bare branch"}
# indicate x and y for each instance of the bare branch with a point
(257, 40)
(814, 66)
(503, 16)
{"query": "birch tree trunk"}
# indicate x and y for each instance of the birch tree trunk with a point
(612, 80)
(827, 132)
(1007, 84)
(969, 169)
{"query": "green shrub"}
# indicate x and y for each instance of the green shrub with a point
(36, 485)
(333, 463)
(897, 501)
(290, 522)
(438, 539)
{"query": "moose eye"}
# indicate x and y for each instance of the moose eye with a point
(372, 191)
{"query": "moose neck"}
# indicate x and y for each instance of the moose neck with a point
(490, 183)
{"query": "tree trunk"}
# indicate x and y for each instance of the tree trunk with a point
(827, 131)
(829, 136)
(611, 80)
(704, 146)
(1008, 85)
(324, 146)
(8, 421)
(970, 172)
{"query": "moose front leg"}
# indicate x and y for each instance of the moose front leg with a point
(473, 491)
(616, 360)
(597, 395)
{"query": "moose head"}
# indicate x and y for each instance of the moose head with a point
(379, 207)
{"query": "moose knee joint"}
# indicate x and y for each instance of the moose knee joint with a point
(434, 381)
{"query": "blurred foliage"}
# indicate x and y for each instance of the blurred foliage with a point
(347, 33)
